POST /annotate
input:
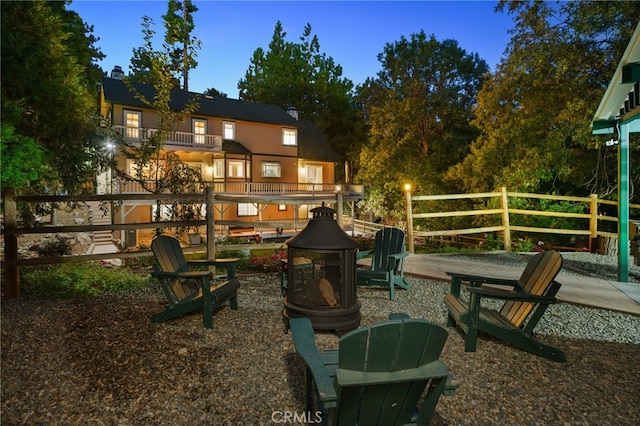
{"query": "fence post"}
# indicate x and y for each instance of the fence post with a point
(211, 224)
(593, 220)
(410, 248)
(504, 201)
(12, 285)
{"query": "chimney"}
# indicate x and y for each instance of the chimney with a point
(292, 111)
(117, 72)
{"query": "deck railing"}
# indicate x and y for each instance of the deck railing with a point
(136, 135)
(255, 188)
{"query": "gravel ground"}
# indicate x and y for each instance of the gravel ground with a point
(101, 361)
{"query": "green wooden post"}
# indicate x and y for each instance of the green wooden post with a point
(504, 201)
(623, 204)
(12, 285)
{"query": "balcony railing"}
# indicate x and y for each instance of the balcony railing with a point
(196, 141)
(256, 188)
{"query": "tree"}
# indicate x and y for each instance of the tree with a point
(180, 46)
(535, 112)
(48, 91)
(21, 159)
(418, 110)
(156, 170)
(298, 75)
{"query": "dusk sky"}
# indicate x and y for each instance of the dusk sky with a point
(353, 33)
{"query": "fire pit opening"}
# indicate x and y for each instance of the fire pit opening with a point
(321, 276)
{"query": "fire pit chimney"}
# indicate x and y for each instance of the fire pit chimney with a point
(321, 275)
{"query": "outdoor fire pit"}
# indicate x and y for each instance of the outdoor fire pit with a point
(321, 276)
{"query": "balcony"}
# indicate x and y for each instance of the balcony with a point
(176, 140)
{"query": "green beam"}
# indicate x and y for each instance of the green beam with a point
(603, 127)
(631, 73)
(623, 203)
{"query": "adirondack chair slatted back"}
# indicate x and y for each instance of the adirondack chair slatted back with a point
(388, 241)
(399, 351)
(536, 279)
(170, 258)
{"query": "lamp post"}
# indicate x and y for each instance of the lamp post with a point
(407, 190)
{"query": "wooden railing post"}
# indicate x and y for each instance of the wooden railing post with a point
(593, 219)
(12, 284)
(504, 201)
(410, 247)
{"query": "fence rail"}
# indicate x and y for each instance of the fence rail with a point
(503, 197)
(12, 230)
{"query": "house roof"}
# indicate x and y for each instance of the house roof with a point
(234, 147)
(312, 145)
(117, 91)
(612, 105)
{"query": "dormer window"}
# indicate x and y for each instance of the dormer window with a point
(289, 137)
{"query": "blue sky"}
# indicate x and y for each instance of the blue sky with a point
(353, 33)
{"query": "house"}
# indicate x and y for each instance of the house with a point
(267, 167)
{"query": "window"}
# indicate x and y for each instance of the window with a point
(218, 167)
(132, 120)
(282, 207)
(314, 173)
(247, 209)
(270, 169)
(199, 130)
(228, 130)
(166, 212)
(289, 137)
(236, 168)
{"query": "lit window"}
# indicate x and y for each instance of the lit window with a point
(228, 130)
(282, 207)
(236, 168)
(166, 212)
(247, 209)
(218, 167)
(289, 137)
(199, 130)
(270, 169)
(132, 121)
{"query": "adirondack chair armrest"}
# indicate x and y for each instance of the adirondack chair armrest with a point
(395, 257)
(515, 296)
(185, 274)
(228, 263)
(361, 254)
(304, 342)
(476, 281)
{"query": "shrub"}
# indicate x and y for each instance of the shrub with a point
(268, 262)
(75, 280)
(52, 248)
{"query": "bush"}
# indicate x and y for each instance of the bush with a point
(268, 262)
(52, 248)
(75, 280)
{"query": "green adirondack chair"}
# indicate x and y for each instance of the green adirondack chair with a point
(526, 300)
(187, 290)
(387, 263)
(378, 375)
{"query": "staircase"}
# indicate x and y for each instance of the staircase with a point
(101, 241)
